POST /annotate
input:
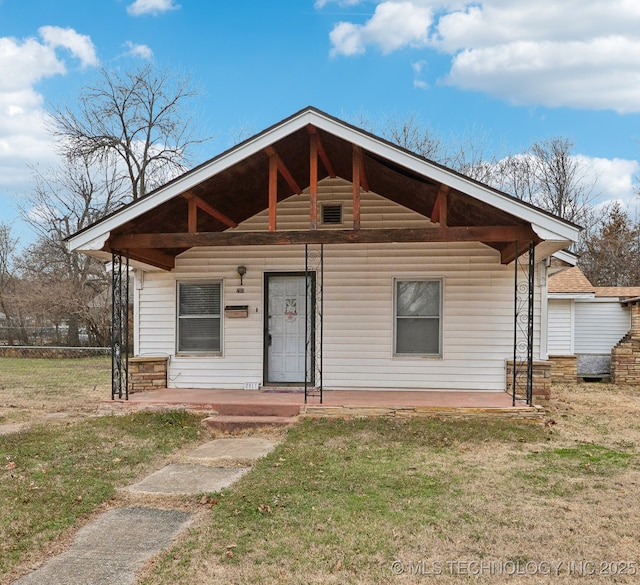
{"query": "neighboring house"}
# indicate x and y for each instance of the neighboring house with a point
(585, 322)
(316, 253)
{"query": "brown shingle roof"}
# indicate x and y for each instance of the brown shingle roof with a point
(571, 280)
(618, 291)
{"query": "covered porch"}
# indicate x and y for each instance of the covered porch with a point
(362, 227)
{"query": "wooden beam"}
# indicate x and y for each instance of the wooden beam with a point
(313, 181)
(153, 258)
(355, 179)
(273, 193)
(439, 211)
(508, 252)
(284, 171)
(192, 219)
(326, 161)
(212, 211)
(364, 182)
(231, 238)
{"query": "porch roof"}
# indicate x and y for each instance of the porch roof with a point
(204, 206)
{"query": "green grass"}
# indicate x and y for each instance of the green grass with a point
(30, 388)
(50, 476)
(584, 459)
(340, 498)
(54, 375)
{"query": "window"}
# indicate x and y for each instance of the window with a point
(418, 310)
(200, 317)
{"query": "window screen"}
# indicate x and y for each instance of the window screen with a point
(418, 317)
(199, 317)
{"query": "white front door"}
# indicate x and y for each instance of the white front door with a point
(285, 328)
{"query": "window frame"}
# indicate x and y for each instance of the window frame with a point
(220, 316)
(440, 318)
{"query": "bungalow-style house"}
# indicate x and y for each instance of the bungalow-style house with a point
(585, 323)
(318, 255)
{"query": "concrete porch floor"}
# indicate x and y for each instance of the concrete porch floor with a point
(290, 403)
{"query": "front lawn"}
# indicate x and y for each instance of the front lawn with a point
(54, 476)
(31, 389)
(397, 500)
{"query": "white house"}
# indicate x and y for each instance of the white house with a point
(318, 254)
(585, 322)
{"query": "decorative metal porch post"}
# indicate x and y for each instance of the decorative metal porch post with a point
(119, 325)
(524, 283)
(313, 331)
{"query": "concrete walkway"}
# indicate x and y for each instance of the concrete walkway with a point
(111, 550)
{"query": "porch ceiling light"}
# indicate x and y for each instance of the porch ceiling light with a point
(242, 270)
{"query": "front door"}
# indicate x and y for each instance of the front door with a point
(286, 327)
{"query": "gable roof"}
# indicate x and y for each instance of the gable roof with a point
(571, 280)
(234, 186)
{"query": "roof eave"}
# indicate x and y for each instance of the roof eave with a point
(548, 227)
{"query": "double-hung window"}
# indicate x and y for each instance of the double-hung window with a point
(418, 317)
(200, 317)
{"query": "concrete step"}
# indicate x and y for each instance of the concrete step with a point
(209, 407)
(256, 409)
(233, 423)
(533, 414)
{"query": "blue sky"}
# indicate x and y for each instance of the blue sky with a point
(516, 71)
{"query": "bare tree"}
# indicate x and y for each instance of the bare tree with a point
(7, 278)
(128, 133)
(562, 183)
(412, 134)
(63, 202)
(466, 154)
(137, 120)
(610, 255)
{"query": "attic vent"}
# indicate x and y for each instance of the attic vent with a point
(332, 214)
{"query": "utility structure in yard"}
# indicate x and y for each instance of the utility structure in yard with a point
(316, 255)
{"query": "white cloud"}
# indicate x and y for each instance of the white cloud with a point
(80, 46)
(418, 67)
(24, 63)
(576, 53)
(140, 7)
(141, 51)
(603, 73)
(615, 177)
(393, 25)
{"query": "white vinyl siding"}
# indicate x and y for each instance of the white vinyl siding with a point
(560, 327)
(599, 326)
(358, 324)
